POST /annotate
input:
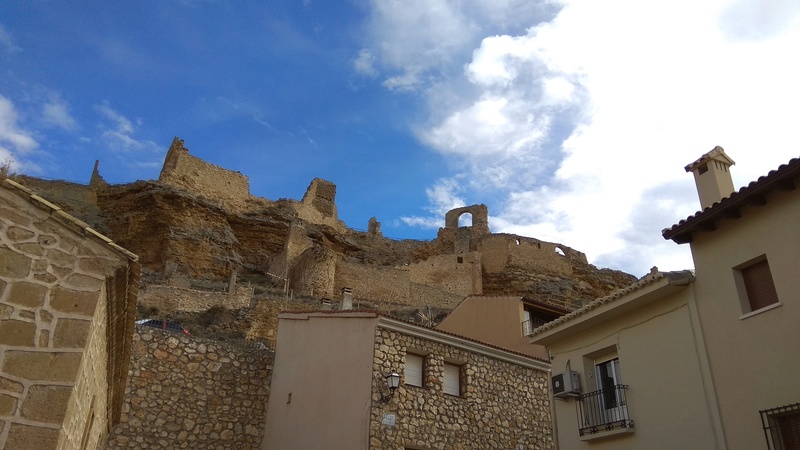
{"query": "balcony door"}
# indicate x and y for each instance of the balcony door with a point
(608, 377)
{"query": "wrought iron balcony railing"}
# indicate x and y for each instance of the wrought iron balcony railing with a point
(603, 410)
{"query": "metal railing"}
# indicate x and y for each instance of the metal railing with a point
(782, 427)
(529, 325)
(603, 410)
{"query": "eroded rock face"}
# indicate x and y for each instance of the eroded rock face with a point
(177, 232)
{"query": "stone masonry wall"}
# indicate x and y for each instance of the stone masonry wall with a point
(207, 180)
(170, 298)
(187, 392)
(51, 282)
(502, 250)
(502, 405)
(389, 284)
(458, 274)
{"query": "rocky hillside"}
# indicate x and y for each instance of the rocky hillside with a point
(195, 236)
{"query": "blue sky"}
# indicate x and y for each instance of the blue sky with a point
(571, 120)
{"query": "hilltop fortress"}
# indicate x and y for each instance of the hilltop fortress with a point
(200, 221)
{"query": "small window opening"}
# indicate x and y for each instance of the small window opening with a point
(460, 259)
(560, 252)
(702, 168)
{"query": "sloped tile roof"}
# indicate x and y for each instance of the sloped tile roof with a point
(645, 281)
(728, 207)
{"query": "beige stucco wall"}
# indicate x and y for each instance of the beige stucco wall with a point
(661, 363)
(754, 360)
(497, 320)
(320, 392)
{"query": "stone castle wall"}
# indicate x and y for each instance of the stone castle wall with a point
(185, 171)
(372, 282)
(187, 392)
(168, 299)
(319, 205)
(458, 274)
(502, 405)
(499, 251)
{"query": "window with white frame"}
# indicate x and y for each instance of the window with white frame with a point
(414, 369)
(452, 379)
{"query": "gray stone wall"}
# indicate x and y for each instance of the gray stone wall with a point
(186, 392)
(170, 298)
(501, 406)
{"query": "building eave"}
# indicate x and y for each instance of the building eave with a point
(783, 178)
(649, 289)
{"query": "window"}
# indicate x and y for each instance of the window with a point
(756, 288)
(605, 410)
(452, 379)
(414, 369)
(782, 427)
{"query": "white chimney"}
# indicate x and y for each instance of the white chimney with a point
(712, 176)
(347, 299)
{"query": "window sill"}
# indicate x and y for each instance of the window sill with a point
(759, 311)
(605, 434)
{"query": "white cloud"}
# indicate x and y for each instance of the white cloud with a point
(120, 134)
(442, 197)
(364, 64)
(583, 123)
(6, 41)
(55, 113)
(18, 139)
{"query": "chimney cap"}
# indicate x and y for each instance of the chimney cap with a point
(717, 153)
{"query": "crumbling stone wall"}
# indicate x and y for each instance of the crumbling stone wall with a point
(187, 392)
(500, 251)
(167, 299)
(373, 282)
(503, 405)
(319, 205)
(65, 311)
(455, 273)
(207, 180)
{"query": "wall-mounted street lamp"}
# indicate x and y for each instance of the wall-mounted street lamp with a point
(393, 381)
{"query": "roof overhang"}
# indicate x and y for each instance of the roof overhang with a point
(603, 310)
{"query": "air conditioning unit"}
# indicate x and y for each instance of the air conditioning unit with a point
(566, 384)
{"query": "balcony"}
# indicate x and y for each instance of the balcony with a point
(604, 413)
(529, 325)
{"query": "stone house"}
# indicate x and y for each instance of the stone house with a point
(694, 360)
(329, 387)
(67, 310)
(504, 320)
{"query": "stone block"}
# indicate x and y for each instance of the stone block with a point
(8, 405)
(60, 258)
(46, 403)
(13, 264)
(31, 248)
(47, 366)
(11, 385)
(17, 333)
(27, 437)
(73, 302)
(18, 234)
(14, 217)
(29, 295)
(79, 280)
(71, 333)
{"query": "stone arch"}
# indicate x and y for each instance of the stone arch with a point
(480, 216)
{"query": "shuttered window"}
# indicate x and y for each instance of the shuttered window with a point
(414, 369)
(452, 379)
(759, 285)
